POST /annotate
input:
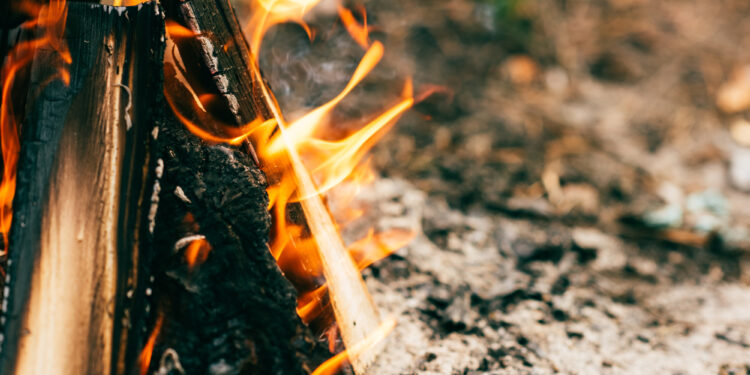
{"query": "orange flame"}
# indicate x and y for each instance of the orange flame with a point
(124, 3)
(148, 350)
(360, 33)
(175, 30)
(267, 13)
(50, 19)
(365, 252)
(333, 365)
(197, 252)
(378, 246)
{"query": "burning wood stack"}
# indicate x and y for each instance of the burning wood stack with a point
(142, 150)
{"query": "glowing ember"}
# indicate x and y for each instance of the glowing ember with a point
(49, 20)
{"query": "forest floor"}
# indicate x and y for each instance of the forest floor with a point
(579, 181)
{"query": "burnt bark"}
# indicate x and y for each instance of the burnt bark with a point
(234, 312)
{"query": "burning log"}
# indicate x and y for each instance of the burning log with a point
(78, 225)
(215, 43)
(170, 229)
(225, 304)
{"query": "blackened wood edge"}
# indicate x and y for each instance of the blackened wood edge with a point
(220, 51)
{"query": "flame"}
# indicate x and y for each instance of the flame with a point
(49, 19)
(267, 13)
(197, 252)
(377, 246)
(175, 30)
(366, 251)
(123, 3)
(333, 365)
(360, 33)
(148, 350)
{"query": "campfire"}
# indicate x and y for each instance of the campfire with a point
(161, 215)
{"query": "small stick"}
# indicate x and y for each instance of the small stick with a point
(355, 312)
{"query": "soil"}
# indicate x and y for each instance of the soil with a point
(578, 186)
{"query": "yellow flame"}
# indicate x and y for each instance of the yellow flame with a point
(267, 13)
(303, 128)
(360, 33)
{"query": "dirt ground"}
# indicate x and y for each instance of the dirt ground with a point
(579, 180)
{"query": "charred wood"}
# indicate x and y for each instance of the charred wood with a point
(233, 310)
(78, 224)
(221, 56)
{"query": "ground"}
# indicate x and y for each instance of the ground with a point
(578, 180)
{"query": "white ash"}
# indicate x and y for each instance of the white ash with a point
(170, 363)
(460, 262)
(184, 241)
(221, 368)
(159, 167)
(181, 194)
(154, 207)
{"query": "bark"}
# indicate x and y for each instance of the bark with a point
(235, 311)
(219, 50)
(222, 59)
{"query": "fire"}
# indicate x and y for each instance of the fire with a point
(333, 365)
(148, 350)
(197, 252)
(267, 13)
(175, 30)
(49, 19)
(364, 252)
(305, 166)
(360, 33)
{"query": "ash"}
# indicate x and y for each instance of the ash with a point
(476, 294)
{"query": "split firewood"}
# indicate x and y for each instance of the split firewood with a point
(78, 225)
(222, 300)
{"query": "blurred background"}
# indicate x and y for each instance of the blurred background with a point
(579, 178)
